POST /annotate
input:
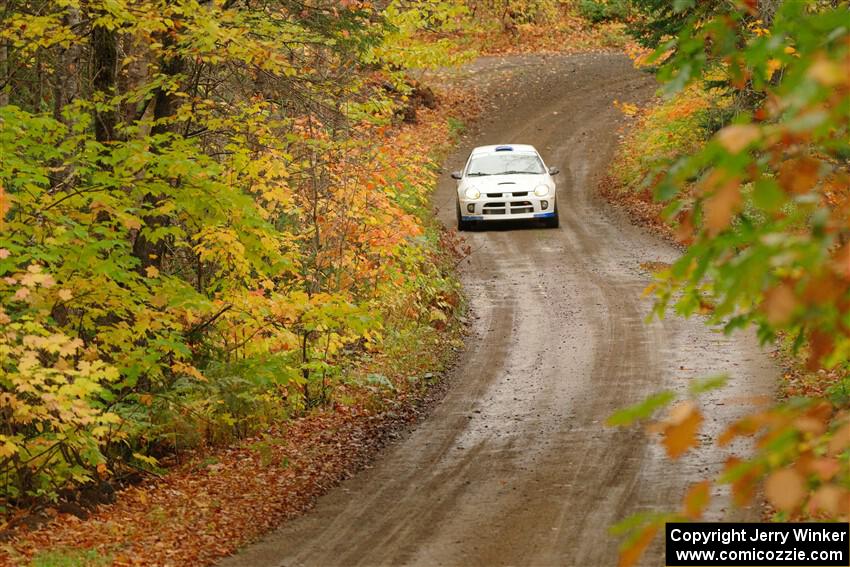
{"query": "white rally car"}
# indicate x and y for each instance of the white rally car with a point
(505, 182)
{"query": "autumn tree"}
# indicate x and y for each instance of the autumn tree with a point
(762, 209)
(203, 220)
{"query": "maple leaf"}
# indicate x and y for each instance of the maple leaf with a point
(779, 304)
(697, 499)
(840, 440)
(825, 468)
(827, 72)
(785, 489)
(721, 206)
(680, 428)
(799, 175)
(737, 137)
(821, 345)
(830, 500)
(632, 552)
(4, 204)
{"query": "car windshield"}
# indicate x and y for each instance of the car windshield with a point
(505, 163)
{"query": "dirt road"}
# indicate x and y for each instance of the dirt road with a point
(515, 466)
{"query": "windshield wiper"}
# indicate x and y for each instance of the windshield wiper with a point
(518, 172)
(477, 174)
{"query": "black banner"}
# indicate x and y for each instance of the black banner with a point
(758, 544)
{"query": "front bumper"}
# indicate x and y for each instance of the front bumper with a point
(507, 208)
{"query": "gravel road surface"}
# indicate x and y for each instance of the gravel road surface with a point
(515, 465)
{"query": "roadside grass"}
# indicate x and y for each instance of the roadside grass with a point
(565, 30)
(570, 34)
(457, 128)
(664, 132)
(798, 381)
(70, 558)
(656, 137)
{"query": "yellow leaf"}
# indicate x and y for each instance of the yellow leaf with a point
(5, 205)
(152, 271)
(188, 370)
(773, 65)
(7, 448)
(826, 72)
(131, 222)
(626, 108)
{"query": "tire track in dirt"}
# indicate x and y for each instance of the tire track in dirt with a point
(515, 466)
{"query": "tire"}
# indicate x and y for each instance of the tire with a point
(462, 225)
(554, 222)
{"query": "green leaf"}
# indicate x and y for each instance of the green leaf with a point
(701, 386)
(643, 410)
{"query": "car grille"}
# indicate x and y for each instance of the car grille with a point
(515, 208)
(503, 195)
(493, 208)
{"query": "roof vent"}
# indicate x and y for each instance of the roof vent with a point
(504, 149)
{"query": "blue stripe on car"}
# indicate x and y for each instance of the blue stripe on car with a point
(544, 215)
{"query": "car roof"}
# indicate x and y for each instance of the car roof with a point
(522, 148)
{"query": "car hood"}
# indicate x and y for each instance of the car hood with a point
(514, 182)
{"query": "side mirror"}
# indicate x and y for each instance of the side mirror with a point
(456, 175)
(554, 171)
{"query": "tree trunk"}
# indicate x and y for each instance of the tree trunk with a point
(4, 74)
(66, 86)
(104, 64)
(165, 105)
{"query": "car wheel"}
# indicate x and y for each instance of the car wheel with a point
(462, 225)
(554, 222)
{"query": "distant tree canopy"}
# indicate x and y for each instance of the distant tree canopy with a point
(655, 21)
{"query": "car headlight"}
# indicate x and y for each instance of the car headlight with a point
(541, 190)
(472, 193)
